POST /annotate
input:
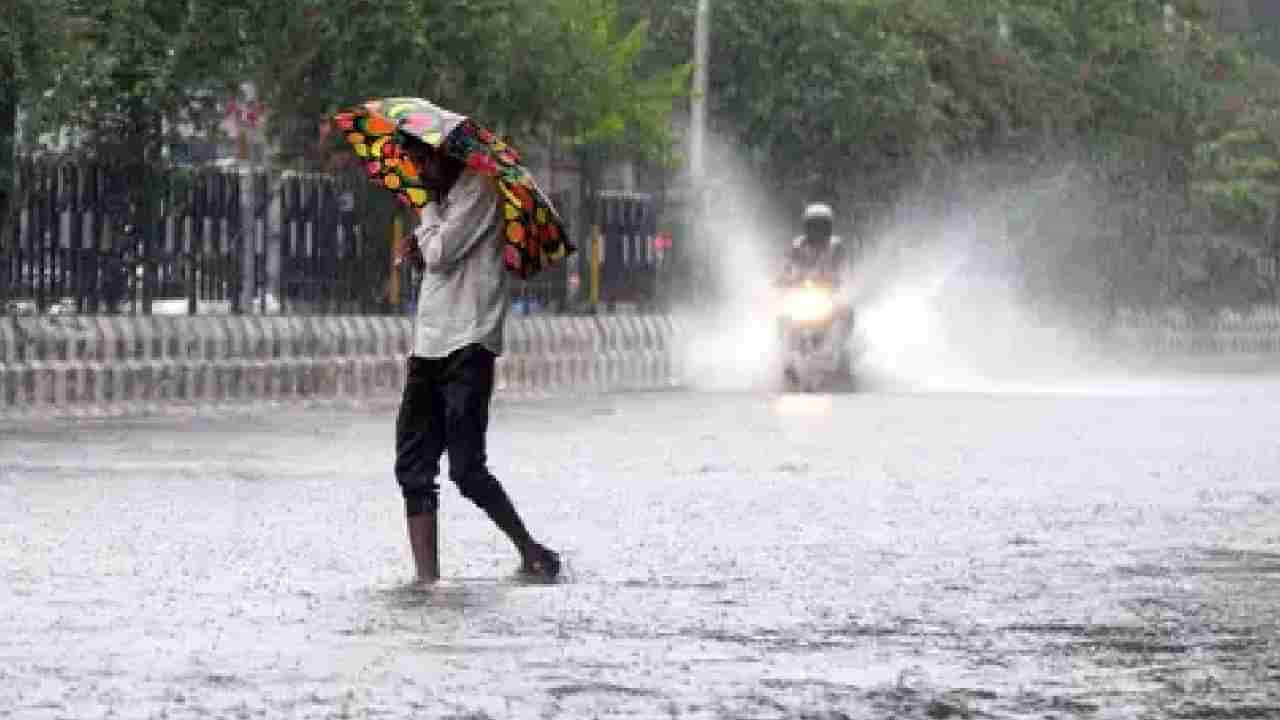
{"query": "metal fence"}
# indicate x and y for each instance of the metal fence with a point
(629, 254)
(208, 241)
(325, 247)
(241, 240)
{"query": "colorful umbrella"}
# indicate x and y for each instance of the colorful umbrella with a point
(376, 130)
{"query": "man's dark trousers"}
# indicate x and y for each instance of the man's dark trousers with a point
(445, 408)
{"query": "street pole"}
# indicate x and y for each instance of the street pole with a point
(697, 149)
(698, 135)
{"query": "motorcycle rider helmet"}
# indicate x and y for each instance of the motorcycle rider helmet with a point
(818, 223)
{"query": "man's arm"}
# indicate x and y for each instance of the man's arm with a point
(446, 235)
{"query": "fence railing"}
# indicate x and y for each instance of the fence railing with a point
(78, 242)
(629, 255)
(1179, 332)
(215, 240)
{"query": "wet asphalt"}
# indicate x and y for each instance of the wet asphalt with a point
(1108, 552)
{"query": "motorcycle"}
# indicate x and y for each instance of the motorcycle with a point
(815, 330)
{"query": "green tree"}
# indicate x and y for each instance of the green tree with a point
(561, 71)
(601, 100)
(128, 66)
(1237, 175)
(34, 40)
(565, 65)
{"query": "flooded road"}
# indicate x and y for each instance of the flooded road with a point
(1107, 553)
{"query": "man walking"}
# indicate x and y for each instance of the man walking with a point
(457, 337)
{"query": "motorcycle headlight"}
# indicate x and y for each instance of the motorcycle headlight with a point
(806, 305)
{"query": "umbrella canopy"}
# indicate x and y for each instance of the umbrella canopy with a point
(533, 231)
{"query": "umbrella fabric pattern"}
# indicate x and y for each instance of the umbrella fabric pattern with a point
(533, 233)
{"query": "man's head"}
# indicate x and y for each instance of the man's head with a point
(818, 223)
(438, 170)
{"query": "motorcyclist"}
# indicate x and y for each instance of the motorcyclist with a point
(817, 254)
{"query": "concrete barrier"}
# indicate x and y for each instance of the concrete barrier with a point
(88, 365)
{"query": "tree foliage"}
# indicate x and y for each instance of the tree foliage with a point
(33, 43)
(126, 67)
(1237, 164)
(563, 70)
(814, 85)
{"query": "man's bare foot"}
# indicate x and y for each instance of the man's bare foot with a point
(540, 563)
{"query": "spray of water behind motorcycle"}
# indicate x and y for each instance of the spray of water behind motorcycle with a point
(940, 309)
(731, 338)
